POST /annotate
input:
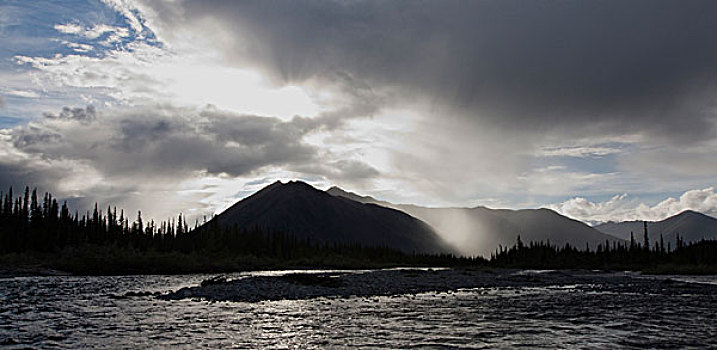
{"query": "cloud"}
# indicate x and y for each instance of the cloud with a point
(135, 150)
(350, 170)
(79, 114)
(539, 67)
(486, 85)
(166, 141)
(121, 76)
(23, 93)
(150, 135)
(19, 168)
(623, 208)
(2, 102)
(129, 12)
(92, 32)
(143, 73)
(578, 152)
(69, 28)
(77, 47)
(449, 102)
(674, 164)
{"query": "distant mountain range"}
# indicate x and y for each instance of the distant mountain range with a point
(480, 230)
(690, 225)
(301, 210)
(338, 216)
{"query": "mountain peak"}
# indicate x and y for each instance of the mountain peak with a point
(337, 191)
(299, 209)
(690, 212)
(276, 183)
(288, 184)
(297, 183)
(689, 224)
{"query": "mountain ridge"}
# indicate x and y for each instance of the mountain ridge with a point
(480, 230)
(299, 209)
(689, 224)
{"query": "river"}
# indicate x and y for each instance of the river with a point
(92, 312)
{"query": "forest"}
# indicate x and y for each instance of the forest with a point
(44, 233)
(686, 258)
(41, 232)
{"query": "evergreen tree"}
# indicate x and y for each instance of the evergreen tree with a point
(632, 241)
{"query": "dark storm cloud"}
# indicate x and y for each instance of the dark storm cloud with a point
(600, 66)
(170, 143)
(18, 177)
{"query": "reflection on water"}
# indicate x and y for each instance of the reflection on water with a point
(83, 312)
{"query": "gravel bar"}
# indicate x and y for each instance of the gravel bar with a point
(296, 286)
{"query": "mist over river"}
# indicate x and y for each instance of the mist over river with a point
(597, 310)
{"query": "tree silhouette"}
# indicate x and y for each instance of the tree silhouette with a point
(28, 226)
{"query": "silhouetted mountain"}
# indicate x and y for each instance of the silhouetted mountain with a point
(298, 209)
(691, 226)
(336, 191)
(480, 230)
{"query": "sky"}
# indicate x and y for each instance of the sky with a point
(599, 110)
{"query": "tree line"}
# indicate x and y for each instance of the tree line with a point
(29, 224)
(632, 255)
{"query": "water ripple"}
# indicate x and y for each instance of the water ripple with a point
(80, 312)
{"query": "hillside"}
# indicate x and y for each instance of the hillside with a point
(298, 209)
(691, 226)
(480, 230)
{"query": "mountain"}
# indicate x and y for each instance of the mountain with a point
(338, 192)
(299, 209)
(690, 225)
(480, 230)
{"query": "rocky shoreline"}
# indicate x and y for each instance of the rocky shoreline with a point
(295, 286)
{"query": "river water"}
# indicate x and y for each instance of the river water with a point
(85, 312)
